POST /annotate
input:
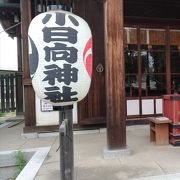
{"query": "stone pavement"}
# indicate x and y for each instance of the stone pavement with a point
(147, 161)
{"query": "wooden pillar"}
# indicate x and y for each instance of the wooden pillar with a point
(29, 95)
(115, 73)
(168, 62)
(19, 85)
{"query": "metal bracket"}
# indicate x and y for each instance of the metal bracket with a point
(63, 127)
(99, 68)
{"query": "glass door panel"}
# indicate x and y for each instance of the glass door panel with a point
(152, 70)
(145, 69)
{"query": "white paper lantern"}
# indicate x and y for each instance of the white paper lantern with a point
(60, 57)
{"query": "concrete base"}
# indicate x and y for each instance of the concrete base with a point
(34, 158)
(114, 154)
(30, 170)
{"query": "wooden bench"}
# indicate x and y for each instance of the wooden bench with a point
(159, 130)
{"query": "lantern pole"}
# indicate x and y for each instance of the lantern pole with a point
(66, 142)
(58, 82)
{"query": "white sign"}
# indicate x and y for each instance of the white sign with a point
(46, 106)
(60, 57)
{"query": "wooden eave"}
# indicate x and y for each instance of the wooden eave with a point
(8, 11)
(152, 11)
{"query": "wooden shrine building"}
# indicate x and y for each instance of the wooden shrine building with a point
(136, 45)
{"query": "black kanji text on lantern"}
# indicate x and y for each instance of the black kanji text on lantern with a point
(59, 47)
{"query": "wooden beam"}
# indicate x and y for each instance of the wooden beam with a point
(19, 85)
(29, 95)
(168, 61)
(115, 73)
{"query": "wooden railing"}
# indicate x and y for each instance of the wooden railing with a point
(7, 93)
